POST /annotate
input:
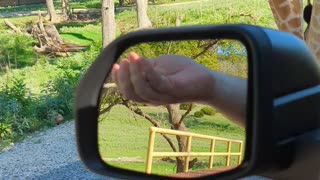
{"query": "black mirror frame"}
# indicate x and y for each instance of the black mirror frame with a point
(258, 154)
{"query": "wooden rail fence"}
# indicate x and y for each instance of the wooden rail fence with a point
(151, 154)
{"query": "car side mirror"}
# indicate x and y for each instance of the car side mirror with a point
(282, 85)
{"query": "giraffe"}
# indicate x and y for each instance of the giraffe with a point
(289, 16)
(313, 34)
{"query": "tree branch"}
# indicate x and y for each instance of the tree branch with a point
(107, 109)
(246, 15)
(206, 48)
(185, 115)
(139, 112)
(13, 27)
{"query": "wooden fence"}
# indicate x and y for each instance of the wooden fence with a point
(151, 154)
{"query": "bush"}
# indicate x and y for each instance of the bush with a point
(198, 114)
(25, 109)
(16, 89)
(185, 106)
(16, 50)
(5, 130)
(208, 111)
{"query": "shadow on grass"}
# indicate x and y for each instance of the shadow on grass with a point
(79, 36)
(74, 24)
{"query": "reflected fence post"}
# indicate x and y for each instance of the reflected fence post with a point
(152, 134)
(187, 158)
(213, 143)
(240, 150)
(229, 151)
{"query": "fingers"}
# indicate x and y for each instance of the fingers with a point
(121, 76)
(115, 70)
(139, 81)
(138, 69)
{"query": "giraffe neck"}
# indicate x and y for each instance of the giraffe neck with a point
(313, 34)
(288, 16)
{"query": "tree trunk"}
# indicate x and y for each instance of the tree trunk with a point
(51, 11)
(108, 22)
(121, 3)
(142, 16)
(66, 10)
(174, 119)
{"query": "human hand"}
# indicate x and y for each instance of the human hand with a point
(162, 80)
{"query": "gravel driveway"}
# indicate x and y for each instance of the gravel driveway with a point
(47, 155)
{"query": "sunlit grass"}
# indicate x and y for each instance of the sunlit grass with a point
(125, 135)
(81, 33)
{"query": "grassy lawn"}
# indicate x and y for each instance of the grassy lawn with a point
(201, 12)
(124, 135)
(76, 4)
(81, 33)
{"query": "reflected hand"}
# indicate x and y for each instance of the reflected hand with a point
(162, 80)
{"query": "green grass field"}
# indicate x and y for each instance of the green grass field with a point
(124, 135)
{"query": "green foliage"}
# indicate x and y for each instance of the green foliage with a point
(29, 103)
(5, 130)
(185, 106)
(65, 89)
(16, 89)
(86, 4)
(194, 49)
(208, 111)
(14, 106)
(16, 50)
(24, 110)
(199, 114)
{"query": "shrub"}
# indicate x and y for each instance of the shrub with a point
(16, 89)
(25, 109)
(5, 129)
(208, 111)
(185, 106)
(198, 114)
(16, 50)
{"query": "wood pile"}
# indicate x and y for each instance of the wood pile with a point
(49, 41)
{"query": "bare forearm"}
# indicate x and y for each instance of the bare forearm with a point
(229, 96)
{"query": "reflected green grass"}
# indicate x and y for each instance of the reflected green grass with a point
(125, 135)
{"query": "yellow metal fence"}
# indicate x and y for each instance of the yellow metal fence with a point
(151, 154)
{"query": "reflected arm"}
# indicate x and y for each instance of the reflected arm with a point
(228, 95)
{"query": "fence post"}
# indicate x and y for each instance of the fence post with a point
(187, 159)
(150, 150)
(229, 151)
(240, 156)
(213, 142)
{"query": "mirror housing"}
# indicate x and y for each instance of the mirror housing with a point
(273, 102)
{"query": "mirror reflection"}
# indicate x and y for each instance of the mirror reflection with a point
(176, 121)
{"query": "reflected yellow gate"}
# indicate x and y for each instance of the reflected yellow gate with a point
(151, 154)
